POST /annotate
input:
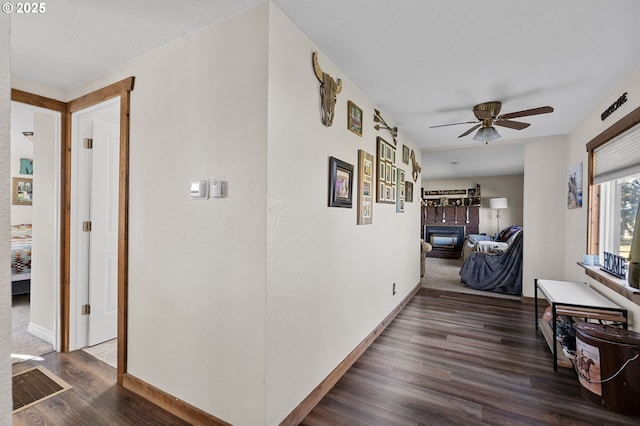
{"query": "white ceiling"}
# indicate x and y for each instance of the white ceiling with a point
(422, 62)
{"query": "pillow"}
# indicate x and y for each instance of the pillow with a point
(507, 233)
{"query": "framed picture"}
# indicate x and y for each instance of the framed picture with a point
(366, 210)
(401, 191)
(574, 184)
(405, 154)
(368, 167)
(354, 118)
(408, 193)
(340, 183)
(386, 180)
(365, 188)
(22, 191)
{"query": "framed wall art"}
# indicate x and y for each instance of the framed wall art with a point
(408, 191)
(22, 191)
(386, 181)
(366, 187)
(574, 183)
(354, 118)
(405, 154)
(340, 183)
(401, 191)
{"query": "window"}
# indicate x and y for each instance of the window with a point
(614, 186)
(619, 200)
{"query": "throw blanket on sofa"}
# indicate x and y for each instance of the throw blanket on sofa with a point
(500, 273)
(474, 242)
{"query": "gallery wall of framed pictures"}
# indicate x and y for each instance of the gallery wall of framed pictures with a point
(387, 172)
(378, 177)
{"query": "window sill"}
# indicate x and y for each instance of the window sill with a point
(614, 283)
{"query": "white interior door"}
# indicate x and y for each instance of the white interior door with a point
(103, 257)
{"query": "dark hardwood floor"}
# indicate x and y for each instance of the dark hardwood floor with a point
(459, 359)
(94, 399)
(447, 359)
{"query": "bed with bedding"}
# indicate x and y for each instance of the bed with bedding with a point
(20, 259)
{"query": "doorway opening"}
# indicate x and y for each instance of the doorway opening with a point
(120, 90)
(35, 255)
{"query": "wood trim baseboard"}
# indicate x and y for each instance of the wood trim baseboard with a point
(175, 406)
(305, 407)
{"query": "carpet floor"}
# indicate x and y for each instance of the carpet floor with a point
(444, 274)
(24, 345)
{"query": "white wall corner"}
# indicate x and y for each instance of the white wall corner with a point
(544, 208)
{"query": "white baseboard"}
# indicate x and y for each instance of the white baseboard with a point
(41, 333)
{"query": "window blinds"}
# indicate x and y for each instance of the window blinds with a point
(618, 158)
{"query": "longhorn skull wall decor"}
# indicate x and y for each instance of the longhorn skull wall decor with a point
(329, 89)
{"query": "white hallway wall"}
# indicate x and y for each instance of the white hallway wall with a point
(329, 281)
(510, 187)
(197, 268)
(209, 281)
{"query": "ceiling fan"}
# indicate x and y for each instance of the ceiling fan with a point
(487, 115)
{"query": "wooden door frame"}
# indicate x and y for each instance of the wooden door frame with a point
(122, 89)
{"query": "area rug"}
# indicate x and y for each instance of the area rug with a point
(35, 385)
(444, 274)
(24, 346)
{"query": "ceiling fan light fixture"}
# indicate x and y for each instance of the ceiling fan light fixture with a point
(487, 134)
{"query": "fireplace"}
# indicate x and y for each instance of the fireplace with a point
(446, 240)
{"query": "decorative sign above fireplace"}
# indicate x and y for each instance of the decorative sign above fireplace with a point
(446, 192)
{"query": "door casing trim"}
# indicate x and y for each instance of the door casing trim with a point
(123, 89)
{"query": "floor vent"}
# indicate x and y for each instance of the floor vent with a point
(35, 385)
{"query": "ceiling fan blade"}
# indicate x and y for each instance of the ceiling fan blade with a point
(527, 112)
(452, 124)
(518, 125)
(470, 130)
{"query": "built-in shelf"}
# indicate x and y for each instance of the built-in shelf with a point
(616, 284)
